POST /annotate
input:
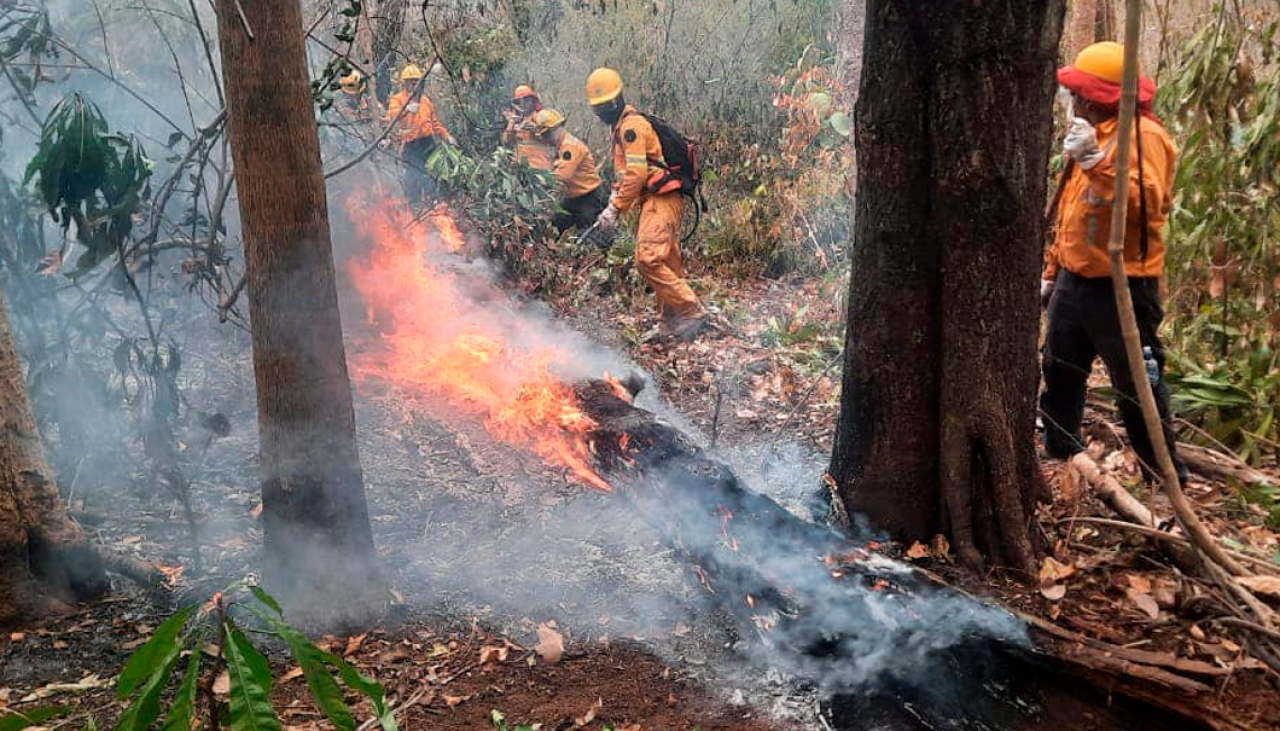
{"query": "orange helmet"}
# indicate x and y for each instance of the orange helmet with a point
(523, 91)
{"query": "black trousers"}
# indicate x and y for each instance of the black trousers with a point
(419, 186)
(1083, 325)
(582, 211)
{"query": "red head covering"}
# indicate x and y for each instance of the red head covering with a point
(1096, 76)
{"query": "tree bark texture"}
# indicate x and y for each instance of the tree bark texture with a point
(388, 28)
(318, 547)
(936, 431)
(1082, 28)
(45, 557)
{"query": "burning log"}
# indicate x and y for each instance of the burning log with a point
(886, 642)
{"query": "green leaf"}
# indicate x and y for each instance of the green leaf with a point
(152, 656)
(184, 702)
(261, 595)
(18, 720)
(250, 685)
(143, 711)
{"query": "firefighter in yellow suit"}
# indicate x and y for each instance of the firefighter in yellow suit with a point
(637, 156)
(582, 193)
(418, 131)
(519, 133)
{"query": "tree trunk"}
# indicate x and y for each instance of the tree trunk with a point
(1082, 28)
(386, 35)
(936, 430)
(318, 547)
(45, 557)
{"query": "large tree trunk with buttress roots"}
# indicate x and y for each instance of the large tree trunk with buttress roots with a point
(46, 560)
(318, 547)
(936, 430)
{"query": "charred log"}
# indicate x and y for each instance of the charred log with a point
(883, 640)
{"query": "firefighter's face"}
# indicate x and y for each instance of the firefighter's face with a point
(524, 105)
(609, 112)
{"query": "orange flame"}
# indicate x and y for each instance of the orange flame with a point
(428, 347)
(443, 221)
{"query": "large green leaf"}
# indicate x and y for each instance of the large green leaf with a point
(184, 701)
(250, 685)
(313, 661)
(153, 655)
(145, 708)
(18, 720)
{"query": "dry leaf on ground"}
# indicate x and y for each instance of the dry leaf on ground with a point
(222, 684)
(1269, 585)
(1143, 601)
(493, 653)
(1054, 593)
(590, 715)
(1053, 571)
(918, 551)
(550, 645)
(353, 644)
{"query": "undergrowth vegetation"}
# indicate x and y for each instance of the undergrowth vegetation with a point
(754, 83)
(1222, 105)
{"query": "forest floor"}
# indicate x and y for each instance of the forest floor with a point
(764, 378)
(486, 545)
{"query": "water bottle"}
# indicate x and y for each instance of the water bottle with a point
(1153, 368)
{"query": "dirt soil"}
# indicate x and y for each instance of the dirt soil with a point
(774, 388)
(484, 543)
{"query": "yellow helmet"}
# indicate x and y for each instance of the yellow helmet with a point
(412, 72)
(353, 83)
(545, 120)
(522, 91)
(603, 85)
(1103, 60)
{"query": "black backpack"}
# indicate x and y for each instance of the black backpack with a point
(680, 157)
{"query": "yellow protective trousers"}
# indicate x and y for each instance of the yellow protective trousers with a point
(658, 256)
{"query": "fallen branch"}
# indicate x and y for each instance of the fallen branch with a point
(1111, 491)
(145, 574)
(1218, 465)
(1261, 563)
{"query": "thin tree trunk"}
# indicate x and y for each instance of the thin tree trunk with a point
(319, 555)
(938, 408)
(45, 557)
(1082, 29)
(386, 35)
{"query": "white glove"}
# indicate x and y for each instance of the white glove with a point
(412, 107)
(608, 218)
(1081, 143)
(1046, 291)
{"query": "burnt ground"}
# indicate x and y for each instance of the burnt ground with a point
(764, 381)
(475, 535)
(484, 543)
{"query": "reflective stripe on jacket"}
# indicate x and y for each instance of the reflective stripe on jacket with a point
(1084, 216)
(634, 145)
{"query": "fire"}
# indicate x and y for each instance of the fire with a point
(443, 222)
(430, 346)
(619, 390)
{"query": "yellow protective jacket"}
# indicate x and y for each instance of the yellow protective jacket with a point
(637, 154)
(528, 147)
(575, 168)
(1084, 215)
(413, 126)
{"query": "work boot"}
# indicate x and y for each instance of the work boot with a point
(687, 328)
